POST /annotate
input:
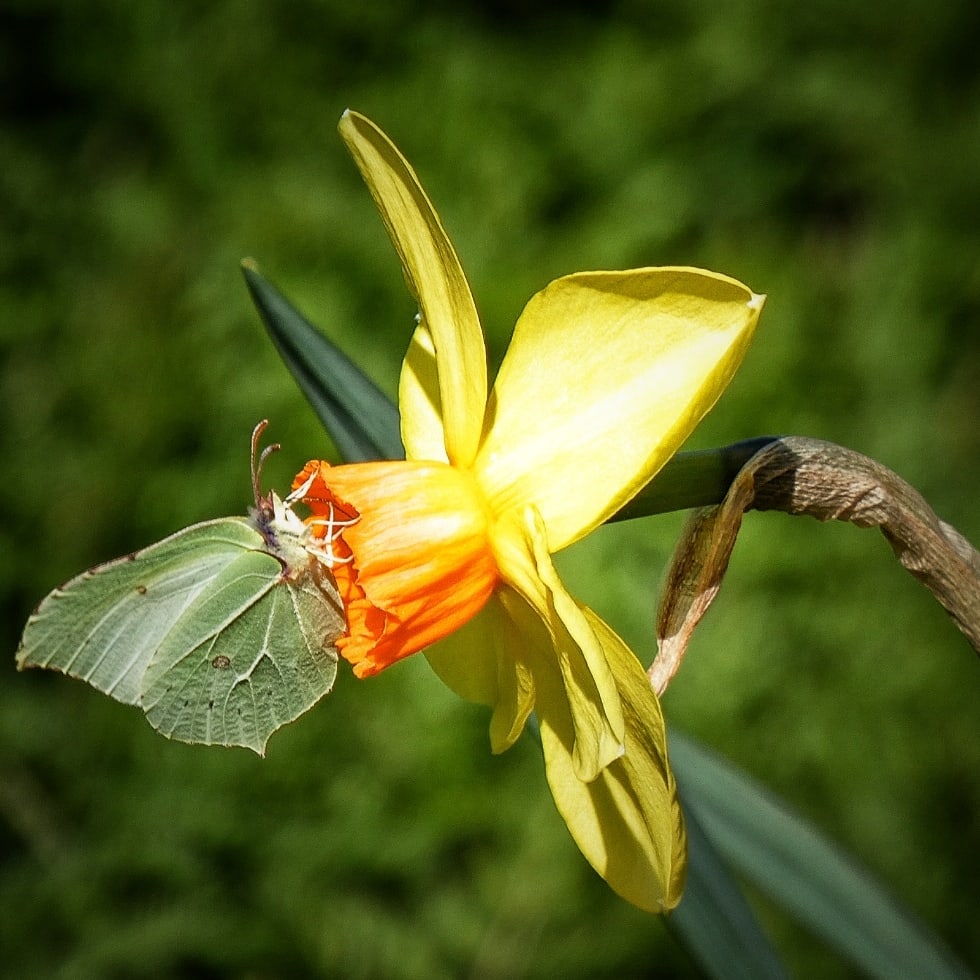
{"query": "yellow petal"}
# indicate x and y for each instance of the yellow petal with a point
(420, 406)
(482, 662)
(627, 822)
(605, 377)
(540, 600)
(434, 276)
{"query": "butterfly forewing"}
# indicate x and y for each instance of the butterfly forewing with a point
(104, 625)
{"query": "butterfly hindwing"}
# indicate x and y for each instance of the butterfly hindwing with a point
(253, 653)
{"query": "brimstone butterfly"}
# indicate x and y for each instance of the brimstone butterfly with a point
(222, 632)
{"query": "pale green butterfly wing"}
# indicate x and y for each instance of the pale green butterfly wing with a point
(266, 657)
(222, 632)
(105, 625)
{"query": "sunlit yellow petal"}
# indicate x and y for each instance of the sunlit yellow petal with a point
(605, 377)
(483, 662)
(419, 403)
(521, 550)
(435, 277)
(627, 821)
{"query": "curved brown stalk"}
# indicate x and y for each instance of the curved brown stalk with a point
(798, 475)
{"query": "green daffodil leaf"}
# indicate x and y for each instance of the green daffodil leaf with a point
(805, 873)
(360, 418)
(714, 920)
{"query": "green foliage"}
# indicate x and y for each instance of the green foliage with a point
(360, 418)
(825, 155)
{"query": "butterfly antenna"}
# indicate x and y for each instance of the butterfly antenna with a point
(258, 460)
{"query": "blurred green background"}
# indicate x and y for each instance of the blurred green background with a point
(827, 154)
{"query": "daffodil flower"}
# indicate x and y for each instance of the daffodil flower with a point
(449, 551)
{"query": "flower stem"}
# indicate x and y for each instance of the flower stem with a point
(692, 479)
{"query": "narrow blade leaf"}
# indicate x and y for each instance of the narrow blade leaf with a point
(361, 419)
(804, 872)
(715, 922)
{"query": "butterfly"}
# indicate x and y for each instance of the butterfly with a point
(222, 632)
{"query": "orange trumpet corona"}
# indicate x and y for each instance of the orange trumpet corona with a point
(414, 561)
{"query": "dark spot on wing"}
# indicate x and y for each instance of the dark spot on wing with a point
(221, 662)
